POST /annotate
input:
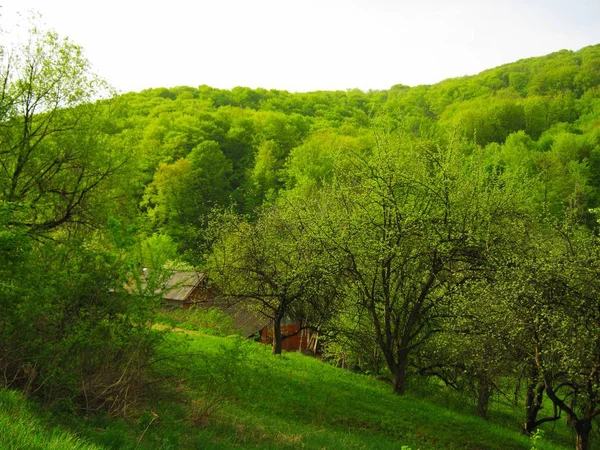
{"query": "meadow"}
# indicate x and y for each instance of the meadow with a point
(213, 392)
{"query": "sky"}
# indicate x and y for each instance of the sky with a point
(306, 45)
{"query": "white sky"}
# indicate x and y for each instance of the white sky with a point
(305, 45)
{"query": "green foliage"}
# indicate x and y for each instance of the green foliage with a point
(71, 333)
(51, 154)
(536, 438)
(273, 267)
(210, 173)
(438, 229)
(408, 224)
(486, 120)
(275, 140)
(502, 148)
(320, 158)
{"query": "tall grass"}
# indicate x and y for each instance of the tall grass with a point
(22, 427)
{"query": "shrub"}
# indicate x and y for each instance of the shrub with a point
(71, 333)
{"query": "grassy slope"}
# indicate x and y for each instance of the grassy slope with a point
(229, 393)
(23, 426)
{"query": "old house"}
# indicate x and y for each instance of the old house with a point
(303, 340)
(184, 289)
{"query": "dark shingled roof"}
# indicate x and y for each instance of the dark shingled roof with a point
(248, 322)
(181, 284)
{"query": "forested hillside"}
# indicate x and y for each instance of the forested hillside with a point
(443, 232)
(245, 145)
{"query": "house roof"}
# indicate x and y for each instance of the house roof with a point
(247, 321)
(244, 319)
(180, 285)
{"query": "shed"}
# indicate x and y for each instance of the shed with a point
(248, 322)
(304, 340)
(184, 289)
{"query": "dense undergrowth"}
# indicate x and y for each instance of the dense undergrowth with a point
(221, 393)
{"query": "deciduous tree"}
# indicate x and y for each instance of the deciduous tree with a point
(410, 223)
(274, 268)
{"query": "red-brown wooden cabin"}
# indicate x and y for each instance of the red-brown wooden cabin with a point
(184, 289)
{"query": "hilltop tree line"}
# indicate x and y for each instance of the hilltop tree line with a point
(446, 231)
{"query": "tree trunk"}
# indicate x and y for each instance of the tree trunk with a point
(533, 404)
(483, 396)
(314, 342)
(400, 373)
(277, 337)
(583, 428)
(400, 382)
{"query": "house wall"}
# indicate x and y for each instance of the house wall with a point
(201, 294)
(294, 343)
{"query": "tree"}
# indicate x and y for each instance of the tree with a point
(210, 174)
(51, 155)
(553, 292)
(264, 178)
(273, 268)
(170, 200)
(70, 330)
(471, 354)
(410, 223)
(181, 195)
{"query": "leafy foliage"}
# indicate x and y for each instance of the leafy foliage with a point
(444, 230)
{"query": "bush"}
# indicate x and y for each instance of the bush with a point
(71, 332)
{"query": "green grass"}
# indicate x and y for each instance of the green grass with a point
(228, 393)
(207, 320)
(24, 426)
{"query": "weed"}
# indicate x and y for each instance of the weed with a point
(535, 438)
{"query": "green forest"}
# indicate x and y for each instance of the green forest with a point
(442, 240)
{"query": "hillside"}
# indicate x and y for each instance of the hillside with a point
(442, 242)
(229, 393)
(265, 142)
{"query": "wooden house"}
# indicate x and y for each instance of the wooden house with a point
(303, 340)
(186, 288)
